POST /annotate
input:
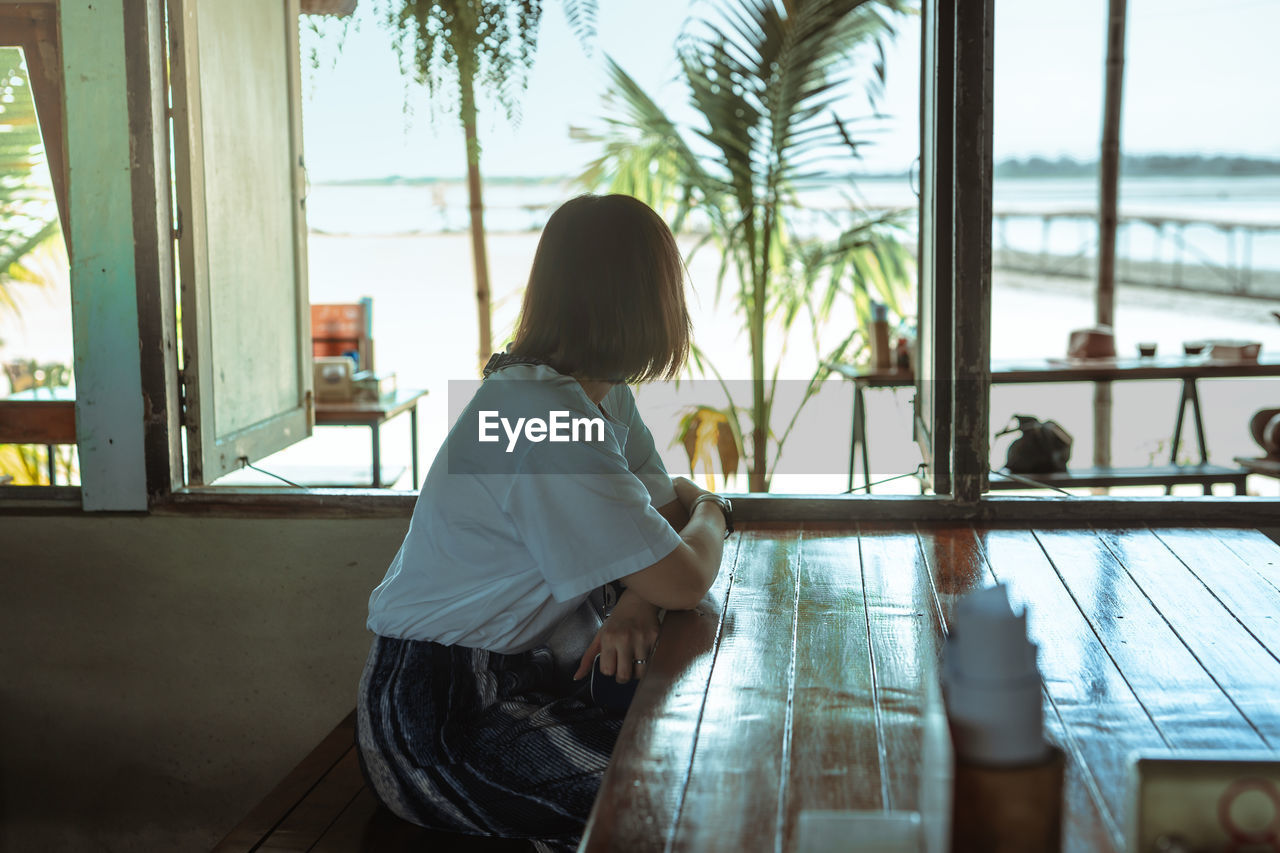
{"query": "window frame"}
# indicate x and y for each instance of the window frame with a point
(150, 381)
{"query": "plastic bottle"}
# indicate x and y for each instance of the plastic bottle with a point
(881, 354)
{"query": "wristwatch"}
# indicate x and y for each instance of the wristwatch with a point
(725, 505)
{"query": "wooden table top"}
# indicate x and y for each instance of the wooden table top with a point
(367, 412)
(1015, 371)
(39, 416)
(803, 682)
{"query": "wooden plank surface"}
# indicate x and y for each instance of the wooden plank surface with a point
(1101, 717)
(739, 752)
(265, 816)
(834, 759)
(1240, 586)
(1176, 692)
(905, 643)
(1239, 665)
(312, 817)
(649, 775)
(956, 566)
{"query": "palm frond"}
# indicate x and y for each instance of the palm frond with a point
(764, 77)
(581, 15)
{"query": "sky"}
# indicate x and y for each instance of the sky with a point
(1199, 77)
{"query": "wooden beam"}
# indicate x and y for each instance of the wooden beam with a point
(145, 68)
(971, 249)
(931, 407)
(104, 295)
(1108, 204)
(378, 503)
(37, 422)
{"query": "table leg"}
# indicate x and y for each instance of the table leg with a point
(377, 458)
(862, 438)
(1199, 421)
(1192, 396)
(858, 435)
(853, 436)
(1177, 425)
(413, 441)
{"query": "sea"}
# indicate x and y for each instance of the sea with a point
(1218, 221)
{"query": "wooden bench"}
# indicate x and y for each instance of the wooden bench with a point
(324, 806)
(1154, 475)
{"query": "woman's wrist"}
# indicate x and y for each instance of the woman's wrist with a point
(723, 504)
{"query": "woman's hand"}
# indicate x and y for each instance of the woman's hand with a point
(624, 641)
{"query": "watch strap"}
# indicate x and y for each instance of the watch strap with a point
(723, 503)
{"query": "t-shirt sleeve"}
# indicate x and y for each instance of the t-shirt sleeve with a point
(642, 454)
(585, 518)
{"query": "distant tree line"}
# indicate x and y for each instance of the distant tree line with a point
(1164, 165)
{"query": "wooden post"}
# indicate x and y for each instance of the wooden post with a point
(971, 248)
(146, 66)
(1108, 194)
(104, 293)
(475, 188)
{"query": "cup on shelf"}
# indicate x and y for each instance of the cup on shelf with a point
(1146, 350)
(1193, 347)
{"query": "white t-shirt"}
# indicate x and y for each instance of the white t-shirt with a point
(510, 534)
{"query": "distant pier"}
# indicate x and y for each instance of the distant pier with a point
(1239, 257)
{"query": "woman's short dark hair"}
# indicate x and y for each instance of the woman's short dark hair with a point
(606, 293)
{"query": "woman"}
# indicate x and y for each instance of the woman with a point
(463, 724)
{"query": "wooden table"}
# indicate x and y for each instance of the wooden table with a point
(1187, 369)
(47, 417)
(804, 686)
(40, 416)
(373, 414)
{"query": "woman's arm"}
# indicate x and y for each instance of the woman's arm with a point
(631, 630)
(679, 580)
(675, 514)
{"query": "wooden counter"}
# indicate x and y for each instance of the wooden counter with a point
(805, 687)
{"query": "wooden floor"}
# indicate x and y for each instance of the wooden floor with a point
(805, 688)
(803, 682)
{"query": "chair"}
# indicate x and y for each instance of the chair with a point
(342, 329)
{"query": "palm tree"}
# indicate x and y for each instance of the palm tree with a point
(29, 229)
(1108, 202)
(478, 44)
(28, 215)
(766, 77)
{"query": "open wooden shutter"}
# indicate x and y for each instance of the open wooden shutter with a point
(242, 230)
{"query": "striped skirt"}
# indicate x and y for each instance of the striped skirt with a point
(469, 741)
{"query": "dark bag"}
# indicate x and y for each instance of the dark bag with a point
(1044, 446)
